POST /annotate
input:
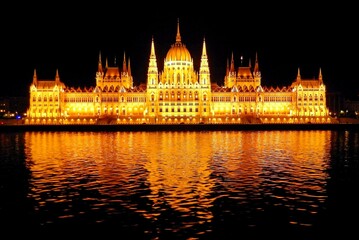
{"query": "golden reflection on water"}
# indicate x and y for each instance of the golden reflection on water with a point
(181, 170)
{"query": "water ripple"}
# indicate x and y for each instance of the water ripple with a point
(185, 184)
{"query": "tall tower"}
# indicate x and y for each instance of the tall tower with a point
(152, 84)
(204, 74)
(152, 73)
(178, 64)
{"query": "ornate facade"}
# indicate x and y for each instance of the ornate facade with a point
(177, 94)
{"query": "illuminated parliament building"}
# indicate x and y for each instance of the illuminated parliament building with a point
(177, 94)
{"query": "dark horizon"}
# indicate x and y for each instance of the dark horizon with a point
(69, 40)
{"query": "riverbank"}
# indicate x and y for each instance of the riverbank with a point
(179, 127)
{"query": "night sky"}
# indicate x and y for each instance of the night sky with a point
(69, 37)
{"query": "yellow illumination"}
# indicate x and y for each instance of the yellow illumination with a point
(180, 90)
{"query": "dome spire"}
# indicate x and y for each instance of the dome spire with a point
(178, 51)
(178, 36)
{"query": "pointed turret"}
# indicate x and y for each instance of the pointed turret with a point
(129, 74)
(256, 72)
(320, 77)
(256, 65)
(34, 78)
(230, 78)
(152, 54)
(204, 49)
(298, 75)
(129, 68)
(227, 68)
(100, 71)
(152, 74)
(232, 69)
(99, 68)
(124, 67)
(204, 67)
(57, 77)
(126, 77)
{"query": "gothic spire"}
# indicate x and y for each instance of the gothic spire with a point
(129, 67)
(256, 65)
(34, 78)
(152, 69)
(57, 77)
(152, 55)
(178, 36)
(99, 68)
(320, 75)
(204, 50)
(231, 69)
(124, 67)
(298, 75)
(204, 67)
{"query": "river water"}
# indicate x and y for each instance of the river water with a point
(182, 184)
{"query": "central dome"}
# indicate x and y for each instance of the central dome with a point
(178, 51)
